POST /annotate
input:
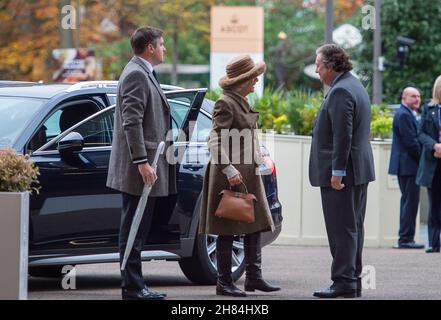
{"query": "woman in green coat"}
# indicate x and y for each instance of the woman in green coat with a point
(235, 159)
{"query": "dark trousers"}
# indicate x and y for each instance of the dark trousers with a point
(344, 213)
(410, 198)
(435, 209)
(132, 275)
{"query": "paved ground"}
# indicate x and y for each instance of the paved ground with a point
(399, 274)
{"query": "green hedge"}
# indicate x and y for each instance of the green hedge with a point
(294, 112)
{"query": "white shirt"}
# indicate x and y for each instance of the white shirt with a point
(148, 64)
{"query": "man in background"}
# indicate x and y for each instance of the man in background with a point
(404, 158)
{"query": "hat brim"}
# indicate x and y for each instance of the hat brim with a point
(258, 69)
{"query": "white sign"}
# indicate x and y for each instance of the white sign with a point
(235, 31)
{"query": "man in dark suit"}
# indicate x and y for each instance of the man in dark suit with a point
(341, 164)
(142, 120)
(404, 158)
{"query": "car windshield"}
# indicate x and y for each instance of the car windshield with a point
(15, 114)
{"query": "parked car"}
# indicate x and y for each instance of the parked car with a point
(75, 218)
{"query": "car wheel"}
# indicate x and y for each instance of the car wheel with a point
(201, 266)
(46, 271)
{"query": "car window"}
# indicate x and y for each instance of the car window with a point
(15, 114)
(112, 98)
(53, 125)
(202, 129)
(61, 120)
(180, 104)
(97, 132)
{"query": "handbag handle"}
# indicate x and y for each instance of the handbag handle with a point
(246, 189)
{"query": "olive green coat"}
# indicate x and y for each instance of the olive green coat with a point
(232, 111)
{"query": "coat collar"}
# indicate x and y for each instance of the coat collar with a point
(339, 78)
(142, 64)
(434, 110)
(241, 100)
(407, 109)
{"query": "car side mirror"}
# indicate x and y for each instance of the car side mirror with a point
(70, 144)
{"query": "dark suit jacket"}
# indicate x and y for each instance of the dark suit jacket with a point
(428, 135)
(142, 120)
(341, 135)
(406, 148)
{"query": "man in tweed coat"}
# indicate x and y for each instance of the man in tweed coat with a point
(142, 120)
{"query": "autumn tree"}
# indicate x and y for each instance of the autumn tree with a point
(343, 9)
(31, 31)
(178, 19)
(27, 35)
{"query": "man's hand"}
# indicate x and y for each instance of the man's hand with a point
(237, 179)
(437, 155)
(437, 147)
(148, 174)
(336, 183)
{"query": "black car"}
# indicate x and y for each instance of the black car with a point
(67, 130)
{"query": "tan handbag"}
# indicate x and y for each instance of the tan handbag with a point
(236, 206)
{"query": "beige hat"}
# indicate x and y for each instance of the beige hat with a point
(241, 69)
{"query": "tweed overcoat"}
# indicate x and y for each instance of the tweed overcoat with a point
(233, 117)
(142, 120)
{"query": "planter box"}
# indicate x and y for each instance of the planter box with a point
(14, 228)
(303, 222)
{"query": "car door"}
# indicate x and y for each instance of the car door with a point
(168, 225)
(75, 210)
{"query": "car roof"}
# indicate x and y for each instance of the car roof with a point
(35, 91)
(47, 91)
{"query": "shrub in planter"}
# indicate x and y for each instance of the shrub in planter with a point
(17, 172)
(381, 122)
(18, 178)
(302, 110)
(381, 128)
(272, 108)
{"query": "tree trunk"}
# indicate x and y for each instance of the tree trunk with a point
(175, 58)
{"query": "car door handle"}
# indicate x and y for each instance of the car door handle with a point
(194, 167)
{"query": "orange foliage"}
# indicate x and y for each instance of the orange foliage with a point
(343, 9)
(30, 31)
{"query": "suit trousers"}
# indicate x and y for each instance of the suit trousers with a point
(131, 276)
(410, 198)
(434, 223)
(344, 213)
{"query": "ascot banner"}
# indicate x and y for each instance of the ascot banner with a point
(235, 31)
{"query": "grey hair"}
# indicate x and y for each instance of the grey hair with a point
(335, 58)
(240, 86)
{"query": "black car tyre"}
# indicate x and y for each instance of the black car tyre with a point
(201, 266)
(46, 271)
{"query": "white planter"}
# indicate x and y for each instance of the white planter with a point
(14, 228)
(303, 222)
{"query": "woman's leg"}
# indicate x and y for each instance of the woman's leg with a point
(435, 210)
(225, 285)
(253, 265)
